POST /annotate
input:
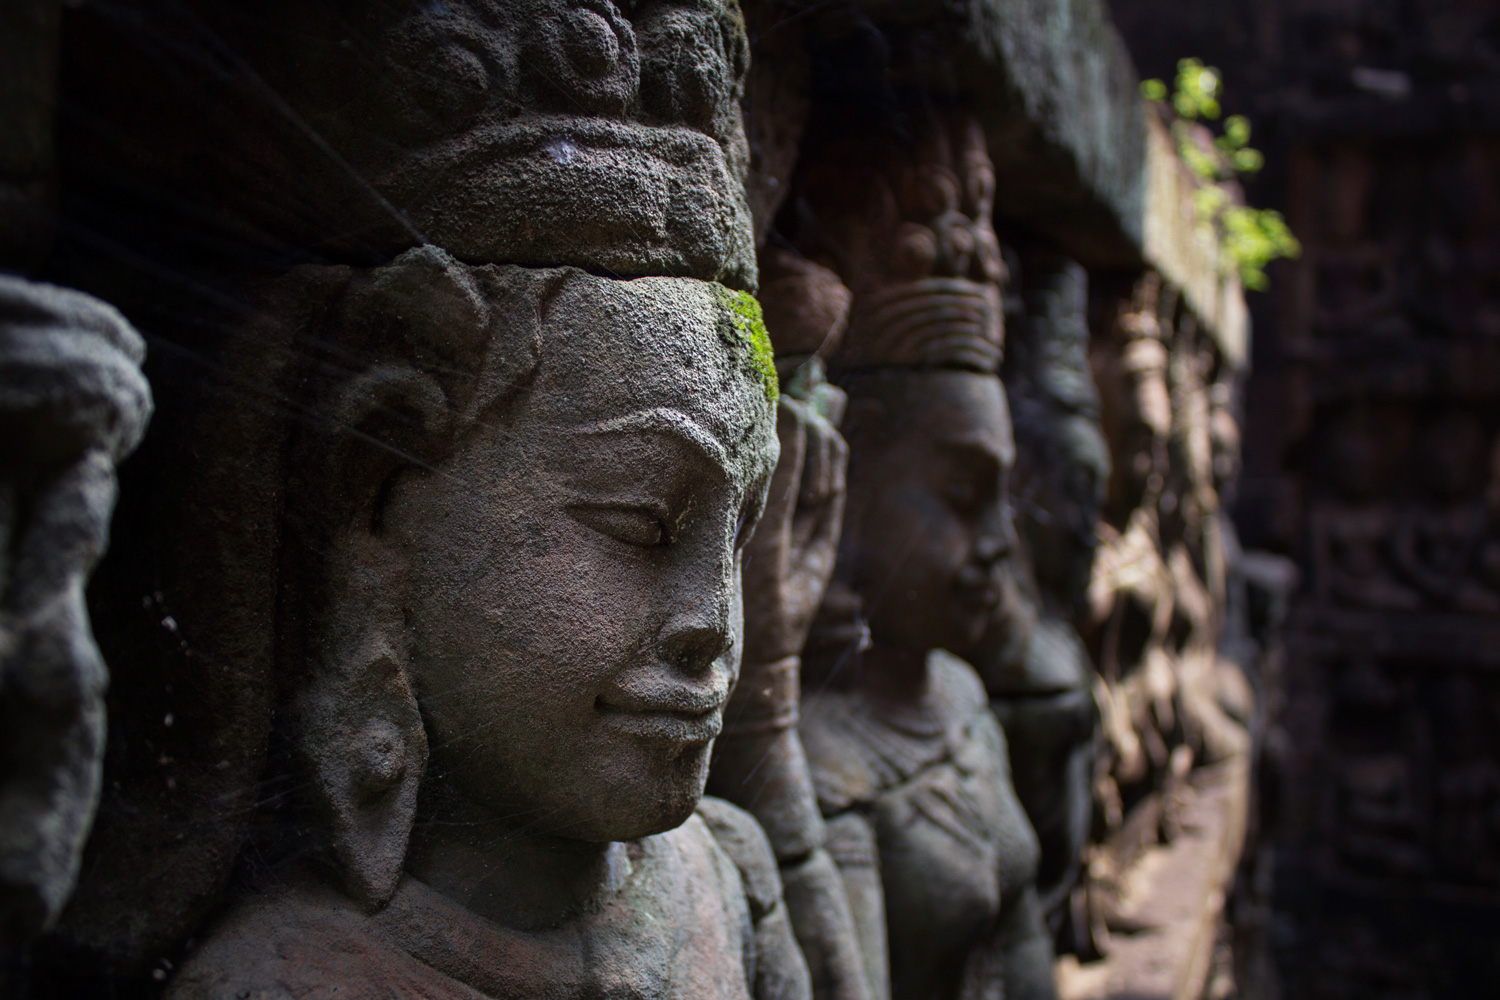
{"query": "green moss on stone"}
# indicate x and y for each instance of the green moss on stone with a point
(743, 318)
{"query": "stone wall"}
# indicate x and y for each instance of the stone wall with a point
(565, 408)
(1370, 443)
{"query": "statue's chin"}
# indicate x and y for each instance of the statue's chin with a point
(649, 802)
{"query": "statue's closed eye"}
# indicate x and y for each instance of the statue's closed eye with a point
(639, 526)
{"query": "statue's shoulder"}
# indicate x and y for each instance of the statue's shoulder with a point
(744, 842)
(956, 685)
(842, 747)
(1056, 659)
(302, 938)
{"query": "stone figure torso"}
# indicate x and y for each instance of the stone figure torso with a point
(931, 779)
(679, 927)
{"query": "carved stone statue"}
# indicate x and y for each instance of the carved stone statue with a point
(759, 761)
(72, 405)
(507, 132)
(1131, 600)
(910, 766)
(515, 544)
(1034, 664)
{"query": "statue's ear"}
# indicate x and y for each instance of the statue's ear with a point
(360, 729)
(424, 345)
(358, 725)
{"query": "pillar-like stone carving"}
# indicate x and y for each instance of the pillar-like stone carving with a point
(759, 759)
(73, 405)
(910, 766)
(1039, 675)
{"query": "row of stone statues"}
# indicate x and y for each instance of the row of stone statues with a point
(488, 519)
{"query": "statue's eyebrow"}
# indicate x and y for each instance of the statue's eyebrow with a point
(665, 420)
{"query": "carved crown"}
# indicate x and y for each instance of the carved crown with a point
(907, 225)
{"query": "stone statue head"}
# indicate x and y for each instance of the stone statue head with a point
(1131, 370)
(518, 515)
(1062, 459)
(926, 526)
(927, 523)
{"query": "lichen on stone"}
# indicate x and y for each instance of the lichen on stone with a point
(746, 327)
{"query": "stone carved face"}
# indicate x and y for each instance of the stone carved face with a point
(1137, 410)
(575, 607)
(927, 528)
(1064, 497)
(1062, 459)
(524, 511)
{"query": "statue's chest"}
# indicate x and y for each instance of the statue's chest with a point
(684, 945)
(954, 843)
(940, 858)
(679, 931)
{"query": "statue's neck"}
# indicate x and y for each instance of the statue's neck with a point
(498, 869)
(896, 676)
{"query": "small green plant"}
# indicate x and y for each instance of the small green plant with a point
(1251, 237)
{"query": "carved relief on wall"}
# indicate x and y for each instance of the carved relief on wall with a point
(1170, 699)
(1034, 664)
(910, 766)
(482, 530)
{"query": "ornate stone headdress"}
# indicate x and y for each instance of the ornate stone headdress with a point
(603, 135)
(909, 229)
(1052, 351)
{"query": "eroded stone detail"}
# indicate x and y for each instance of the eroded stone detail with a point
(759, 759)
(73, 404)
(536, 132)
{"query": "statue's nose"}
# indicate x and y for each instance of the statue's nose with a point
(694, 649)
(992, 547)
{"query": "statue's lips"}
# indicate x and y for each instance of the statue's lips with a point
(668, 712)
(982, 598)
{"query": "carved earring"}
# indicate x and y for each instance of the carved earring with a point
(363, 736)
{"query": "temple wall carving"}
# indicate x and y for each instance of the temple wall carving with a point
(1370, 429)
(658, 499)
